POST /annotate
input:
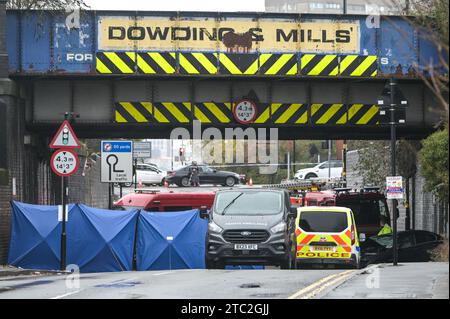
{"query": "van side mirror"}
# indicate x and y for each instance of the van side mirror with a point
(293, 212)
(204, 212)
(362, 237)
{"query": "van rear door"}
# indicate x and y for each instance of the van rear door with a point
(324, 234)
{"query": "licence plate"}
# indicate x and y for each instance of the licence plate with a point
(245, 247)
(323, 248)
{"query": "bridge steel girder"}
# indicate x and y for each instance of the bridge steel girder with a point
(97, 102)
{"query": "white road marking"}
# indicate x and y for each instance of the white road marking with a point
(66, 295)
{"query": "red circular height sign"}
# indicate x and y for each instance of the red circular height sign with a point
(245, 111)
(64, 162)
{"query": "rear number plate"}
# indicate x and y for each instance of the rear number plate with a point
(323, 248)
(245, 247)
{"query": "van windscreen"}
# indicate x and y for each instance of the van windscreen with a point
(323, 222)
(249, 203)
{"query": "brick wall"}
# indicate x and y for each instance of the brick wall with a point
(88, 189)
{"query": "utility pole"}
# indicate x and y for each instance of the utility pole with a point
(329, 159)
(344, 11)
(344, 164)
(393, 87)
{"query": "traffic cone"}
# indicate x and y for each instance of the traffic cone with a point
(250, 182)
(166, 184)
(140, 184)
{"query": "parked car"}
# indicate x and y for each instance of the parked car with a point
(207, 175)
(413, 246)
(321, 171)
(251, 227)
(155, 201)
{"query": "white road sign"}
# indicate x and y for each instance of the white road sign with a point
(64, 162)
(117, 162)
(394, 186)
(142, 149)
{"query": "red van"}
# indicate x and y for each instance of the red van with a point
(368, 205)
(155, 201)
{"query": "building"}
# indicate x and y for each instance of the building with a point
(383, 7)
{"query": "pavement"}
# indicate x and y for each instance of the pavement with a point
(407, 280)
(415, 280)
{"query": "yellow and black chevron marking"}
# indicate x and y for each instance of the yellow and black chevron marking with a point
(264, 114)
(278, 64)
(363, 114)
(289, 113)
(319, 64)
(133, 112)
(115, 62)
(328, 114)
(238, 63)
(211, 112)
(168, 112)
(147, 112)
(197, 63)
(358, 65)
(156, 62)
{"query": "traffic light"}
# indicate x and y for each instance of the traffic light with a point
(65, 136)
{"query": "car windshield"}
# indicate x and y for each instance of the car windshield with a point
(385, 241)
(248, 203)
(323, 222)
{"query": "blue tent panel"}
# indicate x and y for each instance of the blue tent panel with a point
(35, 241)
(100, 240)
(173, 240)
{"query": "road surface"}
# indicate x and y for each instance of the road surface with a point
(408, 280)
(184, 284)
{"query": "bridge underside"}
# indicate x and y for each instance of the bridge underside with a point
(313, 108)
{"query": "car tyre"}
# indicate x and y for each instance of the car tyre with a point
(230, 181)
(127, 184)
(214, 265)
(310, 175)
(185, 182)
(286, 264)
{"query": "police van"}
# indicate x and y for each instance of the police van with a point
(327, 235)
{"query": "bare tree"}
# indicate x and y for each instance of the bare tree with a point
(45, 4)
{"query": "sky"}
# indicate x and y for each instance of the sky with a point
(178, 5)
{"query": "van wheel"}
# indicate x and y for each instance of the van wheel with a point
(214, 265)
(356, 262)
(287, 263)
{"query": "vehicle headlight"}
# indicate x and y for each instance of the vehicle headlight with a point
(214, 228)
(279, 228)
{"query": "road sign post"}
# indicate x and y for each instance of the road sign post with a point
(64, 162)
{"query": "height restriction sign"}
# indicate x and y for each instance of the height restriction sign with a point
(64, 162)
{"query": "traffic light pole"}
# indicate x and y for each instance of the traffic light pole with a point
(63, 224)
(393, 85)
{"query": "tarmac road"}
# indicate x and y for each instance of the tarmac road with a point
(408, 280)
(180, 284)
